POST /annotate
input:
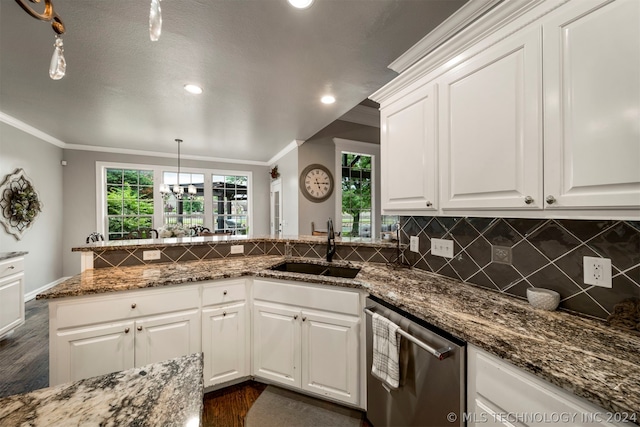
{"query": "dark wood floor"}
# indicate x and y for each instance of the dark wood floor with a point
(24, 366)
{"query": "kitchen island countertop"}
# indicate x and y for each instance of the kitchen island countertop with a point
(584, 356)
(168, 393)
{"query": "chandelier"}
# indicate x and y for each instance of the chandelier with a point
(178, 190)
(58, 66)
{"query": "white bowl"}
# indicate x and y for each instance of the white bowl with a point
(544, 299)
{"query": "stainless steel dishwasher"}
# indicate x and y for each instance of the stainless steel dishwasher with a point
(432, 375)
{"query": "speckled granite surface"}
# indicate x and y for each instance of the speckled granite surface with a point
(9, 255)
(162, 394)
(584, 356)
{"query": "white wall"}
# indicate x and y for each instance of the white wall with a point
(41, 162)
(288, 168)
(80, 189)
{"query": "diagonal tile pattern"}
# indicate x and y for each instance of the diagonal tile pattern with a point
(545, 253)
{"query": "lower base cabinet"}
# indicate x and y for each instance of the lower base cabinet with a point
(11, 295)
(500, 394)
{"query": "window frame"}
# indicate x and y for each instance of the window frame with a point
(158, 214)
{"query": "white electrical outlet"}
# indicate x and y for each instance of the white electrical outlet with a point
(414, 244)
(150, 255)
(597, 271)
(442, 247)
(237, 249)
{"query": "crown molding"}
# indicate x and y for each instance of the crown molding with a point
(461, 18)
(286, 150)
(20, 125)
(362, 115)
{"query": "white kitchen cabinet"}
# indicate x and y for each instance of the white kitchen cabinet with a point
(308, 338)
(500, 394)
(491, 127)
(96, 335)
(408, 152)
(592, 105)
(11, 294)
(225, 332)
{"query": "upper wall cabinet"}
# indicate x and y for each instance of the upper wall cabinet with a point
(491, 127)
(592, 105)
(408, 152)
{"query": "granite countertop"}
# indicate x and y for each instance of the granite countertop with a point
(9, 255)
(203, 240)
(168, 393)
(583, 356)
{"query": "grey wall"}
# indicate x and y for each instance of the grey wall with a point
(288, 168)
(41, 162)
(80, 201)
(321, 149)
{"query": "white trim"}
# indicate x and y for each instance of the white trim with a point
(362, 115)
(447, 29)
(20, 125)
(31, 295)
(290, 147)
(357, 147)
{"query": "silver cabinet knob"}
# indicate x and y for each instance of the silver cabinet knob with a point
(304, 319)
(429, 204)
(550, 200)
(134, 305)
(126, 330)
(528, 200)
(224, 292)
(139, 328)
(11, 267)
(224, 313)
(295, 316)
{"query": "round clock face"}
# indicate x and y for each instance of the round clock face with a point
(316, 183)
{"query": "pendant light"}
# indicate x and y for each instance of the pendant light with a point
(177, 189)
(155, 20)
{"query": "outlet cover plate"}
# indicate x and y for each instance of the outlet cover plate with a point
(237, 249)
(151, 255)
(414, 244)
(597, 271)
(442, 247)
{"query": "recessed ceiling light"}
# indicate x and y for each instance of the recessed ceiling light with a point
(195, 89)
(300, 4)
(328, 99)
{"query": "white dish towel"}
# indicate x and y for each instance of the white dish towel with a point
(386, 351)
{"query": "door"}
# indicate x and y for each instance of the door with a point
(330, 355)
(592, 105)
(491, 127)
(276, 343)
(91, 351)
(276, 208)
(408, 152)
(225, 343)
(166, 337)
(11, 302)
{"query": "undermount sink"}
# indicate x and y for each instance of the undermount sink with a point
(317, 269)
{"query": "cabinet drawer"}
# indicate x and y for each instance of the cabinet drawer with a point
(223, 293)
(105, 308)
(309, 296)
(11, 266)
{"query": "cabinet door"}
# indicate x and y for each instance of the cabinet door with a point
(592, 105)
(11, 302)
(225, 343)
(91, 351)
(276, 343)
(408, 152)
(167, 336)
(491, 127)
(330, 355)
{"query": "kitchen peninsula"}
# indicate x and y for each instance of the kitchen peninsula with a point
(583, 356)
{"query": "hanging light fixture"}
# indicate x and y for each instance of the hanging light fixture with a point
(58, 65)
(155, 20)
(177, 189)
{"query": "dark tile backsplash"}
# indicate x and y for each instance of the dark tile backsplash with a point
(545, 253)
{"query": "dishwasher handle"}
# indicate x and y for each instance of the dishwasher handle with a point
(440, 354)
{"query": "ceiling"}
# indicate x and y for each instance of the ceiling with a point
(263, 66)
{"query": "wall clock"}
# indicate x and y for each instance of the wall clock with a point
(316, 183)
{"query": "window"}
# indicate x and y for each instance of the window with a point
(356, 195)
(230, 203)
(129, 201)
(188, 212)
